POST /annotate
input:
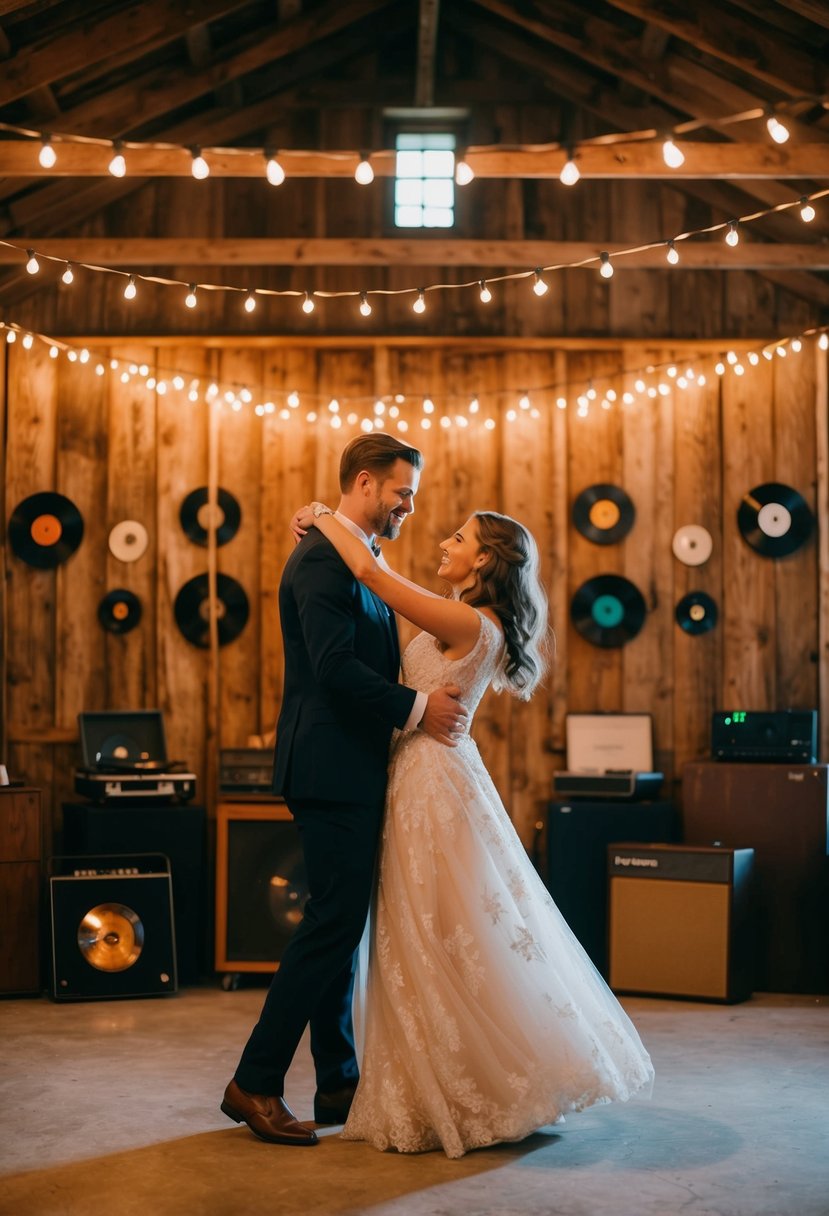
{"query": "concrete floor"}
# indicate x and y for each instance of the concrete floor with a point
(111, 1109)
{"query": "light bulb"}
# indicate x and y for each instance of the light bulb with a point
(420, 303)
(47, 156)
(524, 402)
(67, 277)
(293, 400)
(474, 405)
(11, 336)
(672, 154)
(606, 268)
(308, 303)
(807, 211)
(199, 168)
(672, 255)
(823, 341)
(486, 294)
(777, 130)
(732, 237)
(250, 302)
(428, 405)
(117, 166)
(53, 352)
(33, 265)
(539, 286)
(464, 173)
(364, 174)
(28, 341)
(365, 307)
(570, 173)
(190, 299)
(130, 290)
(273, 170)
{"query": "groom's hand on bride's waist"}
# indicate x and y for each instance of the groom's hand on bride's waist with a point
(445, 717)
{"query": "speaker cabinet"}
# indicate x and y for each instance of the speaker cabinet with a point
(261, 886)
(578, 834)
(680, 921)
(112, 928)
(177, 831)
(781, 811)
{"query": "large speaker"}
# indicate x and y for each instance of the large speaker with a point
(112, 927)
(781, 811)
(680, 921)
(578, 834)
(177, 831)
(261, 885)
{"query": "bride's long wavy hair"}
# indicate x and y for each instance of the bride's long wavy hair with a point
(509, 584)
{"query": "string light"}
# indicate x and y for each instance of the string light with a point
(130, 290)
(485, 293)
(28, 342)
(539, 286)
(273, 170)
(672, 154)
(117, 166)
(67, 277)
(47, 156)
(672, 256)
(32, 265)
(250, 301)
(365, 307)
(199, 167)
(570, 171)
(190, 299)
(419, 305)
(606, 267)
(464, 173)
(732, 237)
(11, 336)
(777, 130)
(807, 211)
(823, 341)
(364, 174)
(308, 302)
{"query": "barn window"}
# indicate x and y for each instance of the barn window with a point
(424, 187)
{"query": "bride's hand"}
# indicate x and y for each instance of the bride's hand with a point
(302, 520)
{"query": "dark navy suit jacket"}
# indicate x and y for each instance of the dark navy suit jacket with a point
(341, 699)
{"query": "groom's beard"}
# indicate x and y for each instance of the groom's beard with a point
(386, 524)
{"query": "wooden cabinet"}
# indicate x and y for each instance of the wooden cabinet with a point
(20, 836)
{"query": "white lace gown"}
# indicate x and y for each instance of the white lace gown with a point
(484, 1017)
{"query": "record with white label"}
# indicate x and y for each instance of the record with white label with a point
(128, 540)
(774, 519)
(692, 544)
(696, 612)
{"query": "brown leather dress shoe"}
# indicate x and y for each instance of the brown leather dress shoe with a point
(267, 1116)
(333, 1107)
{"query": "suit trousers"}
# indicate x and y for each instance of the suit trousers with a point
(315, 979)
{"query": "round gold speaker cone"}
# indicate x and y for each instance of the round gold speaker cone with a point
(111, 937)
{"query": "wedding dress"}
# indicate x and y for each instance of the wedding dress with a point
(484, 1017)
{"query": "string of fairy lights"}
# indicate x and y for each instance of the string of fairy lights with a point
(416, 411)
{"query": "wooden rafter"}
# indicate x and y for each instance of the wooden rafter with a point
(427, 35)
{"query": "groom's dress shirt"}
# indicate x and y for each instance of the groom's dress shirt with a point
(421, 698)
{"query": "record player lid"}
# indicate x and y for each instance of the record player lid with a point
(122, 738)
(602, 743)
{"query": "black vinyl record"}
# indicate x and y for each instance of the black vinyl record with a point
(696, 612)
(119, 611)
(774, 519)
(195, 516)
(45, 529)
(608, 610)
(191, 609)
(603, 513)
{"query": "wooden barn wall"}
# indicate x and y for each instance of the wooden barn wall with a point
(120, 451)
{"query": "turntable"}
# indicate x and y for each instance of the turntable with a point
(124, 756)
(609, 756)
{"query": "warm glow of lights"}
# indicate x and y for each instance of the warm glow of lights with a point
(672, 255)
(823, 341)
(428, 405)
(199, 168)
(606, 268)
(485, 294)
(777, 130)
(130, 289)
(807, 211)
(364, 174)
(190, 299)
(672, 155)
(365, 307)
(539, 286)
(28, 341)
(47, 156)
(33, 265)
(732, 237)
(117, 166)
(420, 303)
(250, 301)
(464, 173)
(570, 173)
(308, 303)
(67, 277)
(273, 170)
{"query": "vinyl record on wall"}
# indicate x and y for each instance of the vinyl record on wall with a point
(696, 613)
(774, 519)
(197, 516)
(45, 529)
(692, 544)
(608, 610)
(119, 611)
(128, 540)
(191, 609)
(603, 513)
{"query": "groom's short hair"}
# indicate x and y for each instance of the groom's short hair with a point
(376, 453)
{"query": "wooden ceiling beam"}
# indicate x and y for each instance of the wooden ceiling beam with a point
(756, 50)
(813, 10)
(640, 159)
(703, 253)
(427, 36)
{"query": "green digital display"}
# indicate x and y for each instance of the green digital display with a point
(737, 717)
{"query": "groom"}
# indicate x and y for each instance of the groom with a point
(341, 701)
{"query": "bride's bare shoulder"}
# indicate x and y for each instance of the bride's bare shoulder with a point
(491, 615)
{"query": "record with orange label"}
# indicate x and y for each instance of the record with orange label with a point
(119, 611)
(45, 529)
(603, 513)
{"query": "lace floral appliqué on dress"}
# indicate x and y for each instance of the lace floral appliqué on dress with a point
(484, 1018)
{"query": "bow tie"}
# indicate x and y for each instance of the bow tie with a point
(375, 548)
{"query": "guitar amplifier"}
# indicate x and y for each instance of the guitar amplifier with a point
(246, 770)
(786, 736)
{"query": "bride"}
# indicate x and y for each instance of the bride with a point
(485, 1019)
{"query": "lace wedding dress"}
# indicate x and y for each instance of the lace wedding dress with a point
(484, 1017)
